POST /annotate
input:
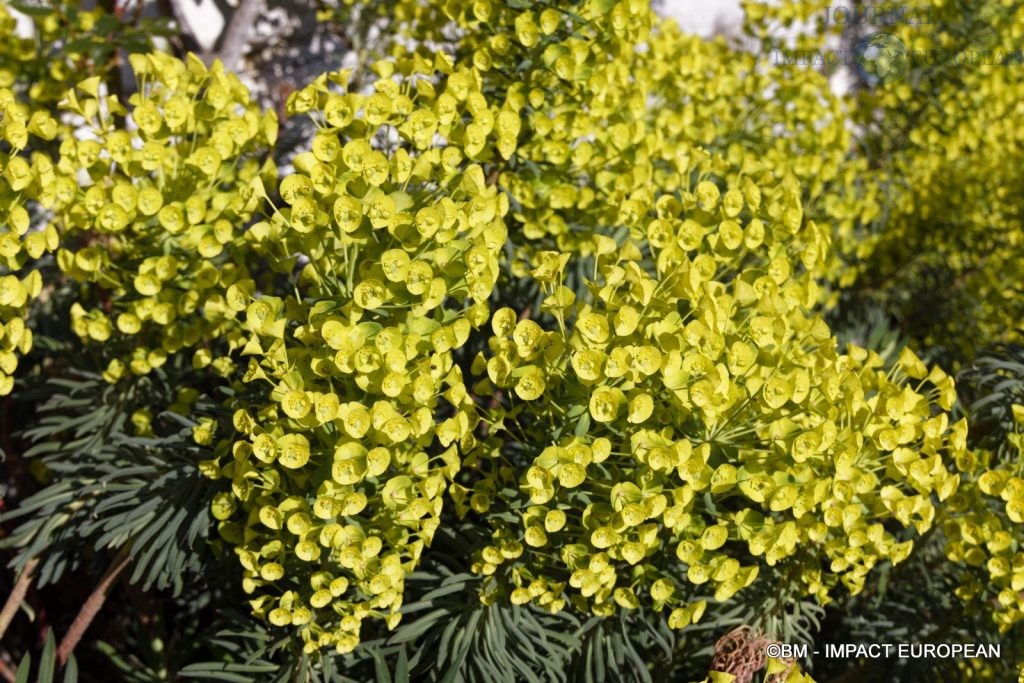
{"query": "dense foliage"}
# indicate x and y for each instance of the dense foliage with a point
(565, 346)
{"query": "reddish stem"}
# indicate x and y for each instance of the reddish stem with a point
(17, 595)
(91, 607)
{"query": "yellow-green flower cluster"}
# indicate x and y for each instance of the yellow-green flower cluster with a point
(354, 416)
(693, 368)
(43, 78)
(753, 104)
(962, 160)
(156, 231)
(52, 45)
(578, 158)
(26, 185)
(714, 427)
(616, 101)
(982, 525)
(945, 157)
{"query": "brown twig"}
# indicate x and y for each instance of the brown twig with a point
(5, 672)
(91, 607)
(236, 36)
(17, 595)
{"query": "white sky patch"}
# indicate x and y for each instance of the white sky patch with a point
(205, 21)
(701, 16)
